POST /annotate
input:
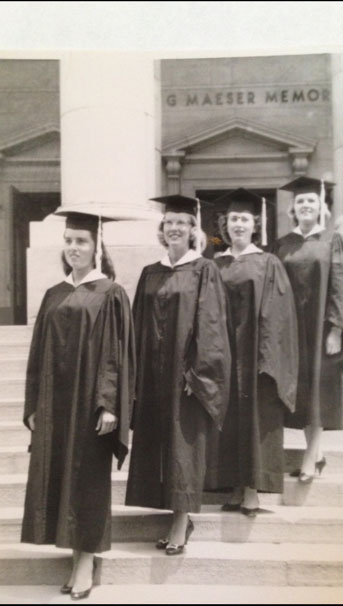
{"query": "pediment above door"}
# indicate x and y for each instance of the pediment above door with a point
(239, 140)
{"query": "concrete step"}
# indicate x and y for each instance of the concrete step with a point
(278, 524)
(326, 491)
(12, 365)
(12, 488)
(323, 492)
(14, 433)
(334, 460)
(16, 333)
(176, 594)
(12, 387)
(15, 348)
(213, 563)
(11, 409)
(14, 459)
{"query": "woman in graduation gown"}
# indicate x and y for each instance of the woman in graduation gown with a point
(79, 390)
(313, 258)
(183, 361)
(263, 337)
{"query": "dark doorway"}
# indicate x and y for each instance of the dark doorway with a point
(211, 212)
(26, 208)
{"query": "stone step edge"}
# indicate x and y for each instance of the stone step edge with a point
(213, 513)
(334, 478)
(168, 593)
(208, 550)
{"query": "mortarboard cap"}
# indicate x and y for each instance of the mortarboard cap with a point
(303, 185)
(242, 200)
(85, 217)
(178, 204)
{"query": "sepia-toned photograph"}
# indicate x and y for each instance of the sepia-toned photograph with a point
(171, 317)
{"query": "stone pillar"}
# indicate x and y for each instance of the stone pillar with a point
(110, 154)
(337, 104)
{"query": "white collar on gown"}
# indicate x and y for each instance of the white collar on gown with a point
(250, 249)
(190, 255)
(316, 230)
(92, 275)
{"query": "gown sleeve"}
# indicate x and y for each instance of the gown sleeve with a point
(34, 363)
(117, 368)
(208, 367)
(278, 334)
(334, 305)
(138, 313)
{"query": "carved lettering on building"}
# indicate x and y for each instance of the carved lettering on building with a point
(277, 96)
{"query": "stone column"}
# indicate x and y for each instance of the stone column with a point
(110, 154)
(337, 104)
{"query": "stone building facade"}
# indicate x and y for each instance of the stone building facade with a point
(253, 122)
(133, 127)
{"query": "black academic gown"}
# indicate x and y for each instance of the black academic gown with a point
(315, 269)
(81, 361)
(181, 337)
(263, 337)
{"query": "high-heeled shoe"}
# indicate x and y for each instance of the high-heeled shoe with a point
(320, 465)
(173, 549)
(81, 595)
(66, 588)
(249, 512)
(318, 468)
(162, 543)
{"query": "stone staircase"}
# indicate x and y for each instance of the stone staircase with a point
(295, 543)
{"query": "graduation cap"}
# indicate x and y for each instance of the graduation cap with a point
(89, 217)
(182, 204)
(241, 200)
(303, 185)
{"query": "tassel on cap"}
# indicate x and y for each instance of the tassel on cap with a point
(322, 204)
(98, 254)
(264, 238)
(198, 218)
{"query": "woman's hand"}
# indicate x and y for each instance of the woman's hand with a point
(31, 421)
(333, 341)
(188, 390)
(107, 422)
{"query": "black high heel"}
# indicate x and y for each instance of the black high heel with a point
(173, 549)
(81, 595)
(249, 512)
(65, 589)
(320, 465)
(318, 468)
(162, 543)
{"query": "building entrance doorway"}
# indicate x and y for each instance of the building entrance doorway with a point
(26, 207)
(211, 212)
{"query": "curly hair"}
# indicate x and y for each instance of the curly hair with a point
(192, 238)
(291, 212)
(222, 223)
(106, 261)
